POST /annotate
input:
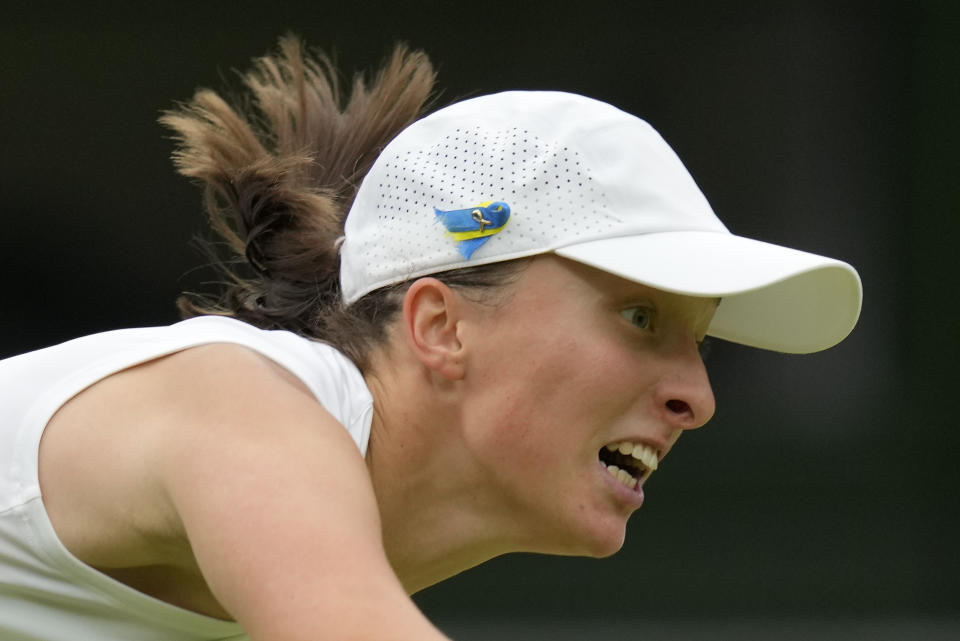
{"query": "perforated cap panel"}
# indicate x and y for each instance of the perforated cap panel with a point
(558, 160)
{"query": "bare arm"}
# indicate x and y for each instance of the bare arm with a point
(277, 505)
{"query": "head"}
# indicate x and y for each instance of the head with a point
(595, 344)
(568, 256)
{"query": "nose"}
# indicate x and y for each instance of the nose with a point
(685, 394)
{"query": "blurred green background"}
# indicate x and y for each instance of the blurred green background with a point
(821, 500)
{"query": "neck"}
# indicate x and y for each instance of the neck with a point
(438, 516)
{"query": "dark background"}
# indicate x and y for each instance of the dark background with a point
(825, 488)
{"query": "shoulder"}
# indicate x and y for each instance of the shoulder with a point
(215, 399)
(226, 370)
(218, 460)
(329, 376)
(275, 500)
(102, 454)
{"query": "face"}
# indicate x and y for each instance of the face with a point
(574, 361)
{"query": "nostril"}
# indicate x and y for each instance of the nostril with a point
(679, 407)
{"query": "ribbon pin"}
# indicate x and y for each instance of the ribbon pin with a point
(470, 228)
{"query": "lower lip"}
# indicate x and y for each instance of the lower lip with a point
(631, 498)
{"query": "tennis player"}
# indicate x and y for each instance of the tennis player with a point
(439, 340)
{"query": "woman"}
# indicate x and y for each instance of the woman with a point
(487, 347)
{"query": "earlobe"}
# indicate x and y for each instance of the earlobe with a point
(431, 318)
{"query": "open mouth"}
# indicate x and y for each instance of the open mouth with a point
(628, 462)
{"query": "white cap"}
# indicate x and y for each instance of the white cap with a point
(589, 182)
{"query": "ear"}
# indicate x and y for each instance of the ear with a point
(431, 319)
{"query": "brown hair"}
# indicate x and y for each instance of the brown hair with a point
(279, 176)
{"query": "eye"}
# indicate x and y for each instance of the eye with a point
(640, 317)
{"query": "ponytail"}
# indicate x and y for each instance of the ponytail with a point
(279, 176)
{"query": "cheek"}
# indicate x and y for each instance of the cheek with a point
(562, 390)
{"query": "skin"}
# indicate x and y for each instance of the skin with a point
(213, 480)
(525, 448)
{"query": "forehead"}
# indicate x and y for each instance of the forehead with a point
(551, 280)
(550, 273)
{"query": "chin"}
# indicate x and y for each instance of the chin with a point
(605, 533)
(606, 547)
(604, 538)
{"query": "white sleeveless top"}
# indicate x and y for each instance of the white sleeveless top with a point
(45, 592)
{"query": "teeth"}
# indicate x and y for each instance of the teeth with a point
(643, 453)
(623, 476)
(646, 455)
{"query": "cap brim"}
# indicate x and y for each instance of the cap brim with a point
(773, 297)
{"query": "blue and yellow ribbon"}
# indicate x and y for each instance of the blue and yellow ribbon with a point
(472, 227)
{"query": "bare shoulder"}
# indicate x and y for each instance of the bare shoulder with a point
(220, 463)
(279, 510)
(101, 454)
